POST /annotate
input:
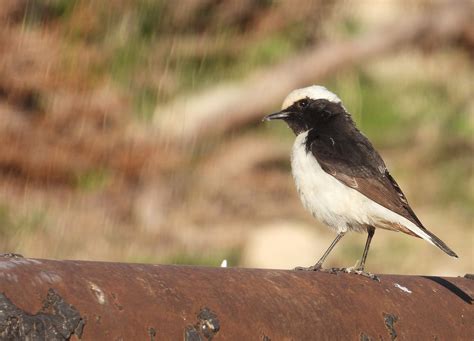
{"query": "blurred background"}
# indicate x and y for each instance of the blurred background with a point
(131, 130)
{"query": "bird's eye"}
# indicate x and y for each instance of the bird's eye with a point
(303, 103)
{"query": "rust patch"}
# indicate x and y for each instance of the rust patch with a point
(152, 333)
(116, 302)
(205, 329)
(57, 320)
(191, 334)
(390, 321)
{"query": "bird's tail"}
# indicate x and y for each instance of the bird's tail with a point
(421, 232)
(432, 239)
(439, 243)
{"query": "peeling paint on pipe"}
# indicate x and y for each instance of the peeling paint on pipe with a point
(113, 301)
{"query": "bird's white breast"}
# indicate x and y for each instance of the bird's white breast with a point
(340, 207)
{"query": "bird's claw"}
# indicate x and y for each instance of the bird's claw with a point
(316, 268)
(367, 274)
(334, 271)
(357, 271)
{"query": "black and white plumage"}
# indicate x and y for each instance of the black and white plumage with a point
(340, 177)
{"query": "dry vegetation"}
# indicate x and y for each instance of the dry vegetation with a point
(86, 173)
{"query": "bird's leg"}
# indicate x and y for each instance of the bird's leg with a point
(360, 269)
(371, 232)
(318, 266)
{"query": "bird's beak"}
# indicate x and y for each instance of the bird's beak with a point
(277, 116)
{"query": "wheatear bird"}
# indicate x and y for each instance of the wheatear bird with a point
(340, 177)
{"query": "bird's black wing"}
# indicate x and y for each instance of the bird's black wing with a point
(352, 159)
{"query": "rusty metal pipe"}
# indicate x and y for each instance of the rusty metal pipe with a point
(56, 300)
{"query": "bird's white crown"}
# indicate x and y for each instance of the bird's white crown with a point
(313, 92)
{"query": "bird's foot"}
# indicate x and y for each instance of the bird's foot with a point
(357, 271)
(316, 267)
(367, 274)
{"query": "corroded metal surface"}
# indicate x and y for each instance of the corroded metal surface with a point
(113, 301)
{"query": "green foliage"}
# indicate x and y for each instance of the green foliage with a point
(92, 180)
(351, 26)
(40, 11)
(6, 222)
(202, 71)
(131, 38)
(145, 103)
(455, 187)
(13, 226)
(374, 107)
(151, 17)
